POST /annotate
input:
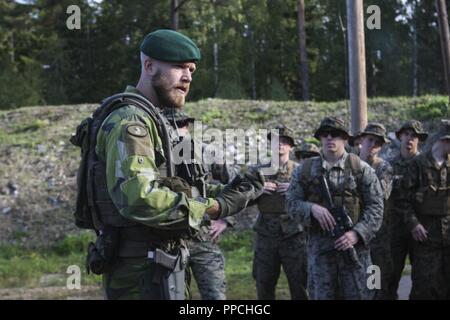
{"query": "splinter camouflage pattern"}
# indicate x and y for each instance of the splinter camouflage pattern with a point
(129, 143)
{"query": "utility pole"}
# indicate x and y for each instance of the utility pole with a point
(304, 78)
(357, 65)
(445, 39)
(174, 16)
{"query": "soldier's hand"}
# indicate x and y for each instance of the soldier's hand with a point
(217, 228)
(324, 217)
(419, 233)
(347, 241)
(282, 187)
(269, 187)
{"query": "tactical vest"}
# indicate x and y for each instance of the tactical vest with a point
(393, 206)
(275, 203)
(349, 196)
(432, 196)
(95, 209)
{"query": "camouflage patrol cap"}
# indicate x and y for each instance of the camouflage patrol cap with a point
(414, 125)
(176, 116)
(284, 132)
(169, 45)
(332, 123)
(306, 150)
(375, 129)
(444, 130)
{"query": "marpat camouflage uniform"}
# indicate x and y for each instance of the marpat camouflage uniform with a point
(428, 186)
(207, 264)
(400, 236)
(380, 248)
(280, 241)
(329, 277)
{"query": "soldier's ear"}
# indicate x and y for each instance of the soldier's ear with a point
(150, 66)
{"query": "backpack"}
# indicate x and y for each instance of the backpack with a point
(87, 215)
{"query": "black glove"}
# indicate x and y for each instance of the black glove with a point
(234, 197)
(256, 179)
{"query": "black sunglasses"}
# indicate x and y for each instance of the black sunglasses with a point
(332, 133)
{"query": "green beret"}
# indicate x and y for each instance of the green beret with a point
(169, 45)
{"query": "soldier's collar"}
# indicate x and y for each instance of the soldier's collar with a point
(133, 89)
(339, 164)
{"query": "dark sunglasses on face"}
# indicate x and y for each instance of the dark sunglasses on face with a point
(332, 133)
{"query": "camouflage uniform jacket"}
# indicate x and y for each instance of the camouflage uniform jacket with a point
(428, 186)
(277, 224)
(129, 143)
(370, 219)
(384, 172)
(398, 199)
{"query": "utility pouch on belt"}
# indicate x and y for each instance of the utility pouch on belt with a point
(102, 254)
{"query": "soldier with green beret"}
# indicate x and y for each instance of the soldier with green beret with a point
(280, 241)
(338, 246)
(428, 217)
(144, 210)
(373, 137)
(409, 135)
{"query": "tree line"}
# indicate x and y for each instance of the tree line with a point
(250, 48)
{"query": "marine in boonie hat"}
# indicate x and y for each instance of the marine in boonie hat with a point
(414, 125)
(170, 45)
(444, 130)
(284, 132)
(306, 150)
(332, 124)
(376, 129)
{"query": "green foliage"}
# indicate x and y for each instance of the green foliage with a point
(28, 267)
(431, 110)
(74, 243)
(257, 49)
(20, 88)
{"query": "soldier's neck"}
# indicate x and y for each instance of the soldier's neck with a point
(333, 157)
(284, 159)
(147, 90)
(407, 154)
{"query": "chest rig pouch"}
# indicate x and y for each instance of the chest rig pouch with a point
(348, 194)
(432, 197)
(274, 203)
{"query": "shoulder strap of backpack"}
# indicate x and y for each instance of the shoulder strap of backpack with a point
(306, 170)
(126, 98)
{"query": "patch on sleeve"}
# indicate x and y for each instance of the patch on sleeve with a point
(137, 140)
(137, 130)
